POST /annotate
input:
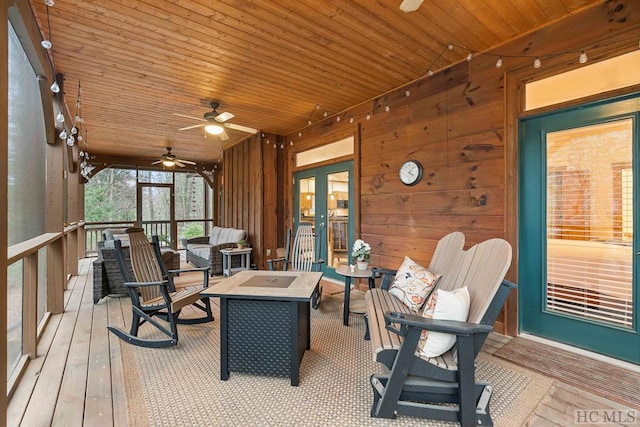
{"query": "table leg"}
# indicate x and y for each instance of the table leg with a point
(347, 292)
(294, 366)
(224, 339)
(225, 264)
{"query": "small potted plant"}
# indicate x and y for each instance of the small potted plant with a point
(362, 253)
(242, 244)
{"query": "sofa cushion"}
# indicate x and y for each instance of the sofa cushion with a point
(214, 237)
(235, 235)
(224, 236)
(443, 305)
(201, 250)
(108, 233)
(124, 241)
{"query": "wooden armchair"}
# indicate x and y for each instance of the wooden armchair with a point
(417, 385)
(154, 294)
(301, 255)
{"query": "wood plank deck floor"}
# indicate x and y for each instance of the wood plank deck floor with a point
(77, 378)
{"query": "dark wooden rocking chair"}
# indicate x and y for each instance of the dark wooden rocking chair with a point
(154, 294)
(301, 255)
(419, 386)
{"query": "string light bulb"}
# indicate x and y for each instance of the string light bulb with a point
(48, 2)
(499, 63)
(469, 56)
(46, 44)
(70, 140)
(54, 87)
(368, 116)
(60, 117)
(537, 63)
(583, 57)
(430, 73)
(63, 134)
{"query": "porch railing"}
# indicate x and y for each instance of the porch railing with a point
(163, 229)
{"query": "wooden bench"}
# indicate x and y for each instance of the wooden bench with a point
(389, 323)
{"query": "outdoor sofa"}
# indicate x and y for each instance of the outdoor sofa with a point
(205, 251)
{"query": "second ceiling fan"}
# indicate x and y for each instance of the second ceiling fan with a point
(215, 123)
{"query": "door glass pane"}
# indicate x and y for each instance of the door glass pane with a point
(338, 214)
(590, 222)
(156, 213)
(307, 198)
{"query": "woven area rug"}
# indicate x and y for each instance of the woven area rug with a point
(181, 385)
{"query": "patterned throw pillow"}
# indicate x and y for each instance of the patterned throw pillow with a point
(443, 305)
(413, 284)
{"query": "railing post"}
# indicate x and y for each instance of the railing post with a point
(30, 305)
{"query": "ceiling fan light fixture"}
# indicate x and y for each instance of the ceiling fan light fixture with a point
(214, 129)
(168, 163)
(410, 5)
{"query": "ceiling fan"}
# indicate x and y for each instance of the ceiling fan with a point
(170, 160)
(215, 122)
(410, 5)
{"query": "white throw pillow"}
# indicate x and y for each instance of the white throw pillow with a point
(443, 305)
(413, 284)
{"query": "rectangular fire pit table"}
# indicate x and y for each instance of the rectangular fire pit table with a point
(264, 321)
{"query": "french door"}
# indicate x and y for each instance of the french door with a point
(323, 197)
(578, 255)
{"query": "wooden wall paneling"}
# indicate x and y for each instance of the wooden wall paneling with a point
(272, 198)
(281, 197)
(243, 192)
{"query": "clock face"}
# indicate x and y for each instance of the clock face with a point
(411, 172)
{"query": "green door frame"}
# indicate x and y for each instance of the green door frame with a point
(321, 173)
(623, 343)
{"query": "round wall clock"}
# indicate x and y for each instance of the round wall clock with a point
(411, 172)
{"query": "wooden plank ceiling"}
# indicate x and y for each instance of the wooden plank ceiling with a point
(270, 63)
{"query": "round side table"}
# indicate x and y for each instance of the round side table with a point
(346, 271)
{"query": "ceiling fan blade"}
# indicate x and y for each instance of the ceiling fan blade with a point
(178, 163)
(223, 117)
(200, 119)
(224, 136)
(186, 162)
(240, 128)
(156, 162)
(193, 127)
